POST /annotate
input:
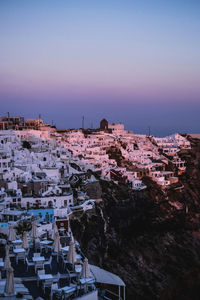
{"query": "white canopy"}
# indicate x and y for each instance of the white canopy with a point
(7, 263)
(56, 244)
(103, 276)
(34, 230)
(25, 240)
(9, 286)
(85, 272)
(71, 256)
(55, 229)
(11, 235)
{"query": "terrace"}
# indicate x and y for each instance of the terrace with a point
(39, 264)
(48, 266)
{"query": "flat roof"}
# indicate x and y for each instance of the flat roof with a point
(103, 276)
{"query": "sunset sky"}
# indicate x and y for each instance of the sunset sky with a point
(137, 62)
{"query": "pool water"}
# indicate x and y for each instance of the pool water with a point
(44, 214)
(4, 225)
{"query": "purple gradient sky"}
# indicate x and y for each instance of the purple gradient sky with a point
(132, 61)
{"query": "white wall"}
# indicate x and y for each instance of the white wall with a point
(60, 200)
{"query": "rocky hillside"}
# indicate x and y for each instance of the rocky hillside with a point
(151, 239)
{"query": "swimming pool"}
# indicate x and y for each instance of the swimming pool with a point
(5, 225)
(44, 213)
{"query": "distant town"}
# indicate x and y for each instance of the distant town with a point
(48, 175)
(109, 151)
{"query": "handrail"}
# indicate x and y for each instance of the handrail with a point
(114, 294)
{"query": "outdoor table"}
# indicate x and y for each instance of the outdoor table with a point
(46, 242)
(86, 280)
(39, 258)
(68, 289)
(19, 250)
(16, 242)
(66, 248)
(45, 276)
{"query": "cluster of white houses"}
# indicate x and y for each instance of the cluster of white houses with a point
(144, 155)
(35, 170)
(38, 168)
(40, 162)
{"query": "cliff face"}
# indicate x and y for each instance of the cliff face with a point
(151, 239)
(93, 190)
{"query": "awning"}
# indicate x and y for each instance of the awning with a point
(103, 276)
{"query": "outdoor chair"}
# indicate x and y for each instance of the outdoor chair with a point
(29, 264)
(37, 246)
(57, 255)
(36, 254)
(49, 248)
(11, 246)
(11, 254)
(56, 278)
(64, 261)
(39, 265)
(55, 290)
(47, 283)
(27, 252)
(42, 247)
(48, 262)
(20, 256)
(41, 272)
(78, 266)
(68, 294)
(74, 285)
(54, 253)
(64, 252)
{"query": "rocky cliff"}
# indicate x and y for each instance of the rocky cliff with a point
(151, 238)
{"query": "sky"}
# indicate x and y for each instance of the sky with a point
(135, 62)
